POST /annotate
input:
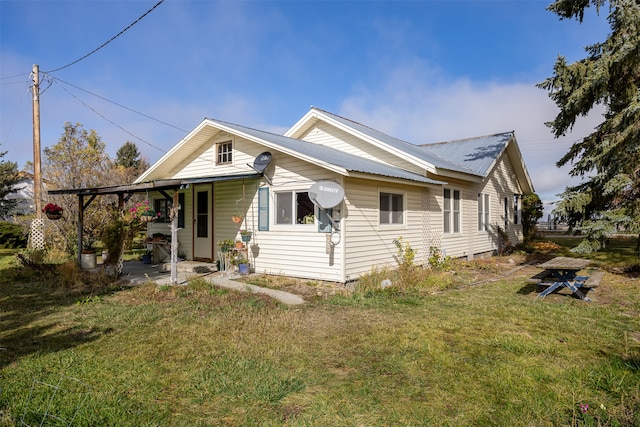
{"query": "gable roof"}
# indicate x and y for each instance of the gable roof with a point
(482, 153)
(474, 157)
(478, 154)
(327, 157)
(411, 152)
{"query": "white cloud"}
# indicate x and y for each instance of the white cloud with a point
(416, 104)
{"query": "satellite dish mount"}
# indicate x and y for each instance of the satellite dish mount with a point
(261, 163)
(327, 195)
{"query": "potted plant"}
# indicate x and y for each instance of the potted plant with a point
(143, 212)
(245, 235)
(225, 245)
(88, 259)
(242, 262)
(52, 211)
(146, 257)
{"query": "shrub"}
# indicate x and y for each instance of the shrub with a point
(12, 236)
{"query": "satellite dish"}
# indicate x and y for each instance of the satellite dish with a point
(262, 161)
(326, 194)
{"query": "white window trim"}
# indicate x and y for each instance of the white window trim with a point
(293, 226)
(218, 144)
(485, 201)
(401, 225)
(452, 212)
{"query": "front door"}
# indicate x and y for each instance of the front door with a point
(202, 224)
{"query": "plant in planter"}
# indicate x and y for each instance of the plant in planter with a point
(245, 235)
(226, 244)
(52, 211)
(147, 256)
(242, 262)
(143, 212)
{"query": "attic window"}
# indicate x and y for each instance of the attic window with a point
(224, 153)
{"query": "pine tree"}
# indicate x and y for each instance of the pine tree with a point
(608, 160)
(8, 179)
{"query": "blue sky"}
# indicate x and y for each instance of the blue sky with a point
(424, 71)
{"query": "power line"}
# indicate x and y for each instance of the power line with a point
(119, 105)
(108, 41)
(14, 76)
(112, 122)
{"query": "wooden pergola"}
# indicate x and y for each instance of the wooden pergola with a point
(124, 192)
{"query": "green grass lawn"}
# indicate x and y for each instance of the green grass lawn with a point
(484, 353)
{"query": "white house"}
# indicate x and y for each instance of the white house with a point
(454, 196)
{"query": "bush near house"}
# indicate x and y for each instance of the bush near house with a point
(12, 236)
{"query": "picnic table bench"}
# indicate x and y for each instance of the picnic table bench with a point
(563, 272)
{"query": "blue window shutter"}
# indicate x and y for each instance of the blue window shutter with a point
(263, 209)
(324, 223)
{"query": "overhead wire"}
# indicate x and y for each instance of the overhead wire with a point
(10, 128)
(108, 41)
(112, 122)
(118, 104)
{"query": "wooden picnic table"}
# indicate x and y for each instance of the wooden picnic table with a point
(564, 270)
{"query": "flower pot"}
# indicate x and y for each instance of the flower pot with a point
(237, 219)
(245, 237)
(243, 268)
(88, 260)
(239, 245)
(54, 216)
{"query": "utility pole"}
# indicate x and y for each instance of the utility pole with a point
(36, 240)
(37, 178)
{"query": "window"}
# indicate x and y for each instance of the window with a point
(516, 209)
(483, 212)
(263, 209)
(506, 213)
(224, 152)
(293, 207)
(202, 214)
(163, 206)
(391, 208)
(451, 211)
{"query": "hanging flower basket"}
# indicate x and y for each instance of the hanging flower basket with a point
(52, 211)
(236, 218)
(245, 235)
(148, 216)
(143, 212)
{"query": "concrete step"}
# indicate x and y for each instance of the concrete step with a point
(196, 267)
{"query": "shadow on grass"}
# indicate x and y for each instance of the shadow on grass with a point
(27, 300)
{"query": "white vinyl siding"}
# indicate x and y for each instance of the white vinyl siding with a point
(325, 134)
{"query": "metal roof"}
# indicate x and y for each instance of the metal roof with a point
(405, 147)
(155, 185)
(478, 154)
(326, 154)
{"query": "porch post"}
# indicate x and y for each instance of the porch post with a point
(174, 237)
(80, 221)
